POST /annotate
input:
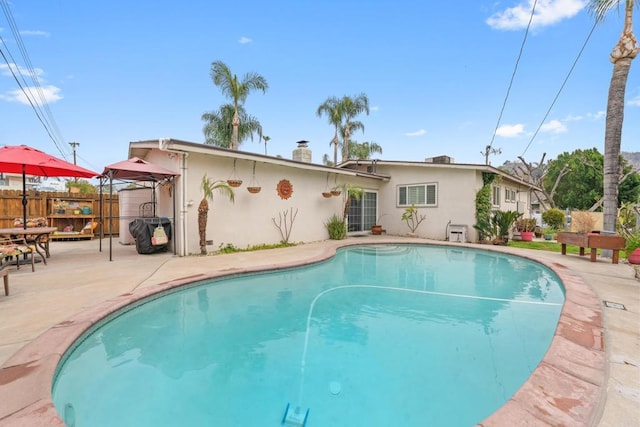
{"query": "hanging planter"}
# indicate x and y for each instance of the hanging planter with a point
(327, 191)
(335, 191)
(254, 187)
(234, 181)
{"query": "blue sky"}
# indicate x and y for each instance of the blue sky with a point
(436, 75)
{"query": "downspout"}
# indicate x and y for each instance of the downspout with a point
(184, 241)
(163, 143)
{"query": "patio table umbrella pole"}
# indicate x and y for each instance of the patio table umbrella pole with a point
(24, 196)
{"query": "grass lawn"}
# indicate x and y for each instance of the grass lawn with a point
(552, 247)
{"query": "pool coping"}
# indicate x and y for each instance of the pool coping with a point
(566, 388)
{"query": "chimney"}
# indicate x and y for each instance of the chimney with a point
(302, 153)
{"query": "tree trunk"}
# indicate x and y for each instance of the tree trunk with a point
(234, 135)
(203, 213)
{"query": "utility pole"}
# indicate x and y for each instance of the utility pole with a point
(73, 145)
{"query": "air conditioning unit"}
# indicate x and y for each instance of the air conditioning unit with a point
(457, 233)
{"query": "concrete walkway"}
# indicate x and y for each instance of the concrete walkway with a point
(78, 279)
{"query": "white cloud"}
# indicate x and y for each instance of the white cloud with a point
(635, 102)
(375, 108)
(244, 40)
(510, 131)
(5, 70)
(35, 33)
(547, 12)
(416, 133)
(49, 93)
(597, 115)
(554, 126)
(571, 118)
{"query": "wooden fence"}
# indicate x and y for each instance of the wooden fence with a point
(40, 204)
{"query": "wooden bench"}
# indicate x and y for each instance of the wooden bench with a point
(593, 241)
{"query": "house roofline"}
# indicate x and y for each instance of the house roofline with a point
(467, 166)
(137, 148)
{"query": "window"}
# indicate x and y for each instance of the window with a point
(509, 195)
(495, 199)
(419, 195)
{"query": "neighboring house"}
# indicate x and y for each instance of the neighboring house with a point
(11, 181)
(444, 192)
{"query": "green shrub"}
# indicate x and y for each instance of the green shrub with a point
(336, 227)
(554, 218)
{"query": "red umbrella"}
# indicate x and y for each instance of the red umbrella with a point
(29, 161)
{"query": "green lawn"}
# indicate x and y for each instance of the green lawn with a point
(552, 247)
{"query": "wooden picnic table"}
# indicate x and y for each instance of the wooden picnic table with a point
(34, 235)
(593, 241)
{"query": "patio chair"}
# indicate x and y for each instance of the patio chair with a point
(4, 273)
(12, 248)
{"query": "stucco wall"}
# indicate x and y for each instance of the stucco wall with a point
(249, 220)
(455, 199)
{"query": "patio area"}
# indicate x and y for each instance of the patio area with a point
(80, 282)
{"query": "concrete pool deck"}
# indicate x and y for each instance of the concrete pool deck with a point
(590, 376)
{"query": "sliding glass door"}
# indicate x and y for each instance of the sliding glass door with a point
(363, 213)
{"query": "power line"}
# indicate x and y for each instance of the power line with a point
(35, 109)
(561, 88)
(45, 118)
(488, 149)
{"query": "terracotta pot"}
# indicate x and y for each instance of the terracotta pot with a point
(634, 258)
(526, 236)
(376, 229)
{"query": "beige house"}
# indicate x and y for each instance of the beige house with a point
(443, 191)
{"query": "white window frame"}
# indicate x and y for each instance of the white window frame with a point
(495, 195)
(426, 188)
(510, 195)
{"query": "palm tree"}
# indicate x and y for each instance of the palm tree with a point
(332, 108)
(236, 90)
(623, 53)
(363, 150)
(266, 139)
(349, 191)
(208, 187)
(351, 108)
(218, 129)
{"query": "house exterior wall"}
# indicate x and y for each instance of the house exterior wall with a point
(250, 219)
(456, 190)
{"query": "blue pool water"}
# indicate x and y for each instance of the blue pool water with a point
(377, 336)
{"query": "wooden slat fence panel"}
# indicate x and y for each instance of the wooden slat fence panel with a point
(40, 205)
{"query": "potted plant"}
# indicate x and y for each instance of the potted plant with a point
(548, 232)
(377, 229)
(526, 227)
(60, 206)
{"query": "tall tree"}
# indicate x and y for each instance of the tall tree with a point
(351, 108)
(208, 187)
(236, 90)
(332, 109)
(623, 53)
(218, 129)
(363, 150)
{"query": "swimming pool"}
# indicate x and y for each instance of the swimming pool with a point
(378, 335)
